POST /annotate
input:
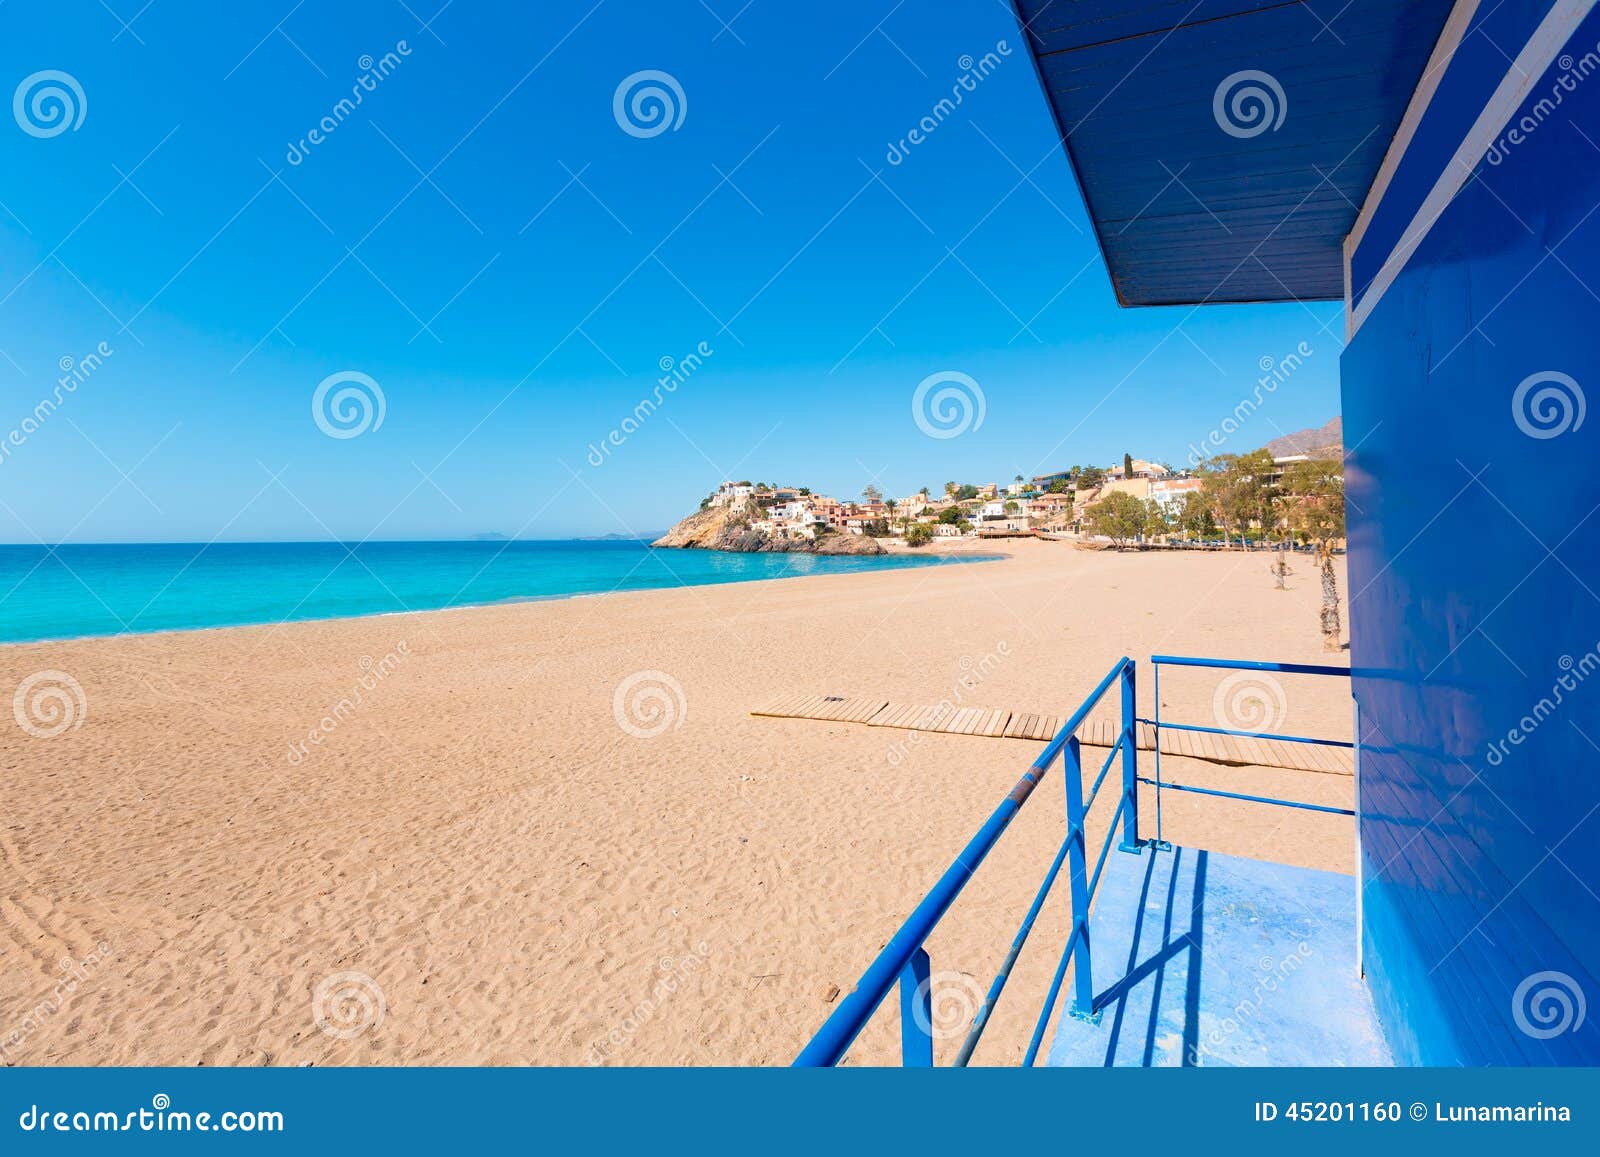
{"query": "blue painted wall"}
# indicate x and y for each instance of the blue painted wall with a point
(1475, 585)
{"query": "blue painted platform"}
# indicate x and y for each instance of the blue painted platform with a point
(1205, 959)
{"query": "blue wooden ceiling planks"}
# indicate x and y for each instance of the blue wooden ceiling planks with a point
(1187, 211)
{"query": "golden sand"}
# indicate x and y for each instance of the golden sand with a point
(446, 837)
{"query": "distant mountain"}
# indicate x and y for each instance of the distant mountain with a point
(1323, 442)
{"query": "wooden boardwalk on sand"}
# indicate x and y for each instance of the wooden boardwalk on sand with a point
(999, 723)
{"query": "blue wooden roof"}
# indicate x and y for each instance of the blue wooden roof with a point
(1224, 147)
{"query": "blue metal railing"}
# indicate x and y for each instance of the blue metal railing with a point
(904, 960)
(1159, 661)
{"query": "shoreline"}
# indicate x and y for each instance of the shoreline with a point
(513, 823)
(5, 644)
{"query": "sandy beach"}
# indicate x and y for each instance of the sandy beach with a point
(552, 833)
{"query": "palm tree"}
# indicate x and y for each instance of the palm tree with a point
(892, 505)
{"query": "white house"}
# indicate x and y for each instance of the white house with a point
(1171, 494)
(729, 491)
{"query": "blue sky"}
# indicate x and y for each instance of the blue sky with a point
(483, 239)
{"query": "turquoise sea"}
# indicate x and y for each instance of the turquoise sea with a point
(73, 591)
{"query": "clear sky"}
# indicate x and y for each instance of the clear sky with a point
(510, 259)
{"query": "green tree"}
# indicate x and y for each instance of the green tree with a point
(1156, 519)
(919, 534)
(1218, 476)
(1194, 516)
(1127, 465)
(1090, 477)
(1118, 516)
(871, 493)
(1235, 486)
(1313, 504)
(1263, 493)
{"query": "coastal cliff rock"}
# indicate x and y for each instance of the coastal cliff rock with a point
(843, 544)
(728, 528)
(700, 530)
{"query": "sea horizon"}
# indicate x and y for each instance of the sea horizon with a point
(480, 539)
(98, 590)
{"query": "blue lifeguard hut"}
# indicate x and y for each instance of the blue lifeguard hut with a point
(1435, 164)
